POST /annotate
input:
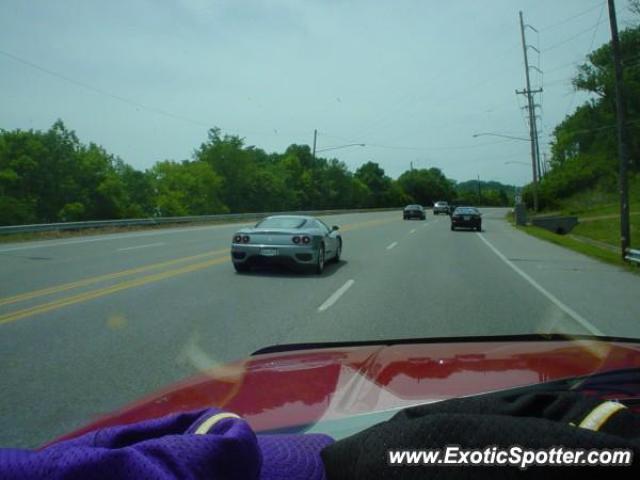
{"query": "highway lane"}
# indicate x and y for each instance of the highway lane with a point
(108, 342)
(30, 268)
(35, 265)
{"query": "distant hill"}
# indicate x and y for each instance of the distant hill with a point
(489, 193)
(472, 186)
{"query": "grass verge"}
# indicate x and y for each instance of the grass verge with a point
(598, 231)
(607, 230)
(603, 254)
(573, 244)
(592, 251)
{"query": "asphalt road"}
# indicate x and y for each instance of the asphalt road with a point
(89, 324)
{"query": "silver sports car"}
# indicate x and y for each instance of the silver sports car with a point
(292, 240)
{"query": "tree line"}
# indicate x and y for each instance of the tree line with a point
(50, 176)
(584, 146)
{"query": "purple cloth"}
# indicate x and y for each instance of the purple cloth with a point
(172, 447)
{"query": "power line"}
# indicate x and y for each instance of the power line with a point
(99, 91)
(573, 37)
(573, 63)
(406, 147)
(453, 147)
(385, 118)
(596, 129)
(572, 17)
(559, 81)
(128, 101)
(593, 38)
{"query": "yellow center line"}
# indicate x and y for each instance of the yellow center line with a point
(101, 292)
(101, 278)
(136, 282)
(133, 271)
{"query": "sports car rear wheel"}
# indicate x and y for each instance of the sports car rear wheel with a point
(320, 262)
(241, 267)
(338, 252)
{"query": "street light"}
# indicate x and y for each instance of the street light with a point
(490, 134)
(315, 141)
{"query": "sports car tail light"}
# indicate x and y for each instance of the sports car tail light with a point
(296, 239)
(306, 239)
(245, 239)
(237, 238)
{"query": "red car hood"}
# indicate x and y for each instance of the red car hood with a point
(282, 389)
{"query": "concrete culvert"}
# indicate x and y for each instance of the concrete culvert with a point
(558, 225)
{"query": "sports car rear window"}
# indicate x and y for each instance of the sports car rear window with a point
(282, 222)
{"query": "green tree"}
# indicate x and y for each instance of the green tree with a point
(139, 188)
(583, 152)
(427, 186)
(373, 176)
(186, 188)
(227, 156)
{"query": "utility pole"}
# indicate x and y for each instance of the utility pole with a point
(315, 138)
(411, 166)
(533, 131)
(535, 136)
(479, 191)
(623, 152)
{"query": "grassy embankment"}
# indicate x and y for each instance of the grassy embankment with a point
(598, 231)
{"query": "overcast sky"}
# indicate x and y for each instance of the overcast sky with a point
(413, 80)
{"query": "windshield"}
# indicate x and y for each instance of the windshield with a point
(282, 222)
(143, 145)
(465, 210)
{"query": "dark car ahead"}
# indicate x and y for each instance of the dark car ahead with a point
(440, 207)
(414, 211)
(466, 217)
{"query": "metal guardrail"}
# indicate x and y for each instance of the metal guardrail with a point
(633, 255)
(134, 222)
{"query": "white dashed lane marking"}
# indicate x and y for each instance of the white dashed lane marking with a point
(336, 296)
